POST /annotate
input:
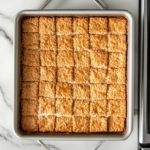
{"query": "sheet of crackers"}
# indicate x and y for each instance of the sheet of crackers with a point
(73, 74)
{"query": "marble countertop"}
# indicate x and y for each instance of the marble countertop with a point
(8, 10)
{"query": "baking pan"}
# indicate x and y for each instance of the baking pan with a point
(130, 75)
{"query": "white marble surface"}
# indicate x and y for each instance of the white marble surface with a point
(8, 9)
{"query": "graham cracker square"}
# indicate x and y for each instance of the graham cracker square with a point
(116, 76)
(117, 25)
(48, 58)
(98, 25)
(65, 42)
(31, 58)
(81, 91)
(46, 123)
(63, 90)
(65, 74)
(117, 108)
(117, 43)
(82, 59)
(80, 124)
(81, 42)
(46, 106)
(97, 75)
(65, 59)
(98, 108)
(116, 91)
(47, 89)
(98, 42)
(29, 123)
(99, 58)
(48, 42)
(98, 124)
(47, 25)
(64, 25)
(80, 25)
(81, 108)
(98, 91)
(116, 124)
(81, 74)
(48, 73)
(30, 24)
(31, 73)
(29, 90)
(63, 124)
(64, 106)
(30, 40)
(117, 60)
(29, 107)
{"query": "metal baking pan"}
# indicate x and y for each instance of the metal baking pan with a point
(130, 75)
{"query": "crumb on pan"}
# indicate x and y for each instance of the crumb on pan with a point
(46, 123)
(33, 60)
(117, 108)
(63, 90)
(64, 106)
(81, 74)
(29, 90)
(98, 108)
(63, 25)
(47, 25)
(97, 75)
(117, 43)
(118, 25)
(63, 124)
(47, 73)
(98, 42)
(46, 105)
(80, 25)
(116, 91)
(81, 42)
(30, 24)
(116, 76)
(98, 91)
(98, 25)
(48, 58)
(80, 124)
(47, 89)
(117, 60)
(65, 59)
(116, 124)
(99, 58)
(65, 74)
(29, 107)
(65, 42)
(31, 73)
(82, 59)
(29, 123)
(81, 91)
(30, 40)
(98, 124)
(81, 108)
(48, 42)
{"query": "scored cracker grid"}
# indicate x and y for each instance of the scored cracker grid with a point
(74, 73)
